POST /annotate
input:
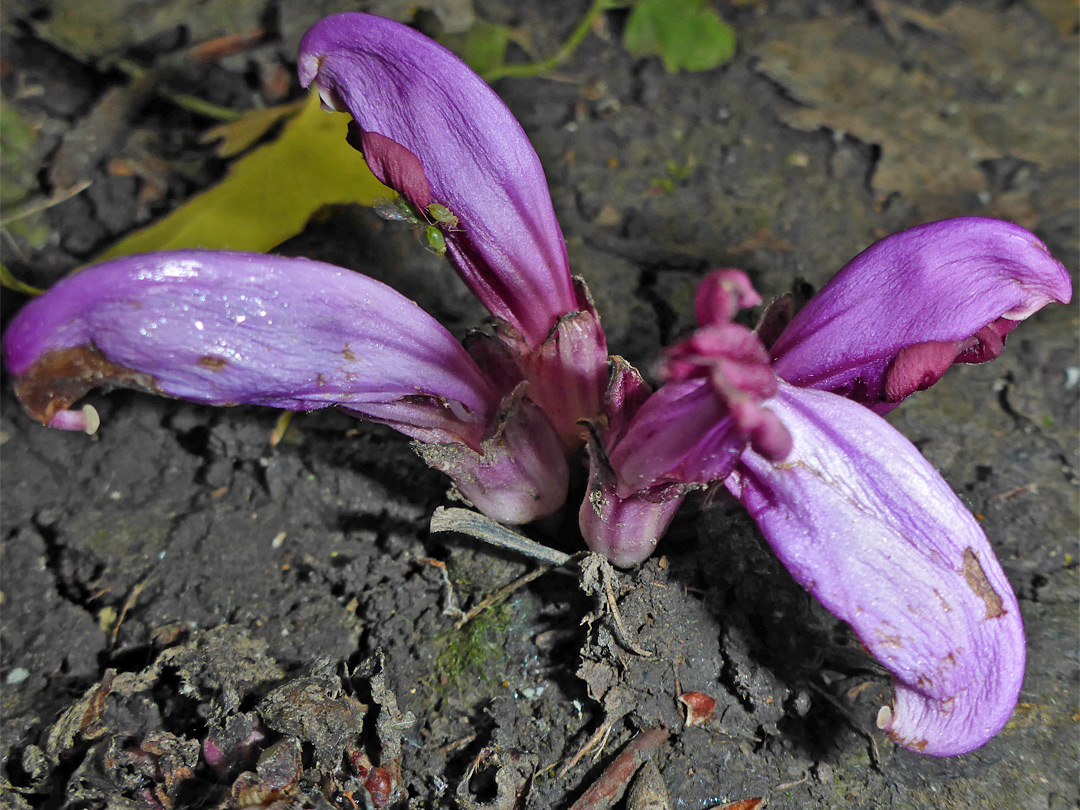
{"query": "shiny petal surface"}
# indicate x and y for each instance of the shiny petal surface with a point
(941, 283)
(476, 159)
(864, 522)
(226, 328)
(681, 434)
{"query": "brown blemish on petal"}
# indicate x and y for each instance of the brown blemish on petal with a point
(944, 602)
(211, 362)
(348, 354)
(61, 377)
(885, 720)
(912, 744)
(887, 639)
(980, 585)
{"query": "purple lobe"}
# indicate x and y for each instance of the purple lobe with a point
(941, 283)
(681, 434)
(225, 328)
(733, 361)
(478, 162)
(868, 526)
(395, 166)
(721, 294)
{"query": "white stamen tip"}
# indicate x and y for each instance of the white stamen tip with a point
(85, 420)
(93, 419)
(884, 717)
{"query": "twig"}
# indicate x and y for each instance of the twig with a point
(450, 605)
(620, 628)
(498, 596)
(129, 603)
(37, 204)
(565, 52)
(598, 738)
(185, 101)
(789, 785)
(611, 785)
(473, 524)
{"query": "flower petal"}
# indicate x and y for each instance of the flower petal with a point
(521, 473)
(864, 522)
(902, 311)
(623, 522)
(226, 328)
(681, 434)
(477, 161)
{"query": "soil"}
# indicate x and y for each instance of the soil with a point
(193, 618)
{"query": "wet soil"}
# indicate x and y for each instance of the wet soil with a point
(193, 618)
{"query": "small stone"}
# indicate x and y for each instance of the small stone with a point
(17, 675)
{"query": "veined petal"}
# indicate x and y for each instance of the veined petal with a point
(624, 523)
(864, 522)
(226, 328)
(681, 434)
(520, 475)
(475, 157)
(902, 311)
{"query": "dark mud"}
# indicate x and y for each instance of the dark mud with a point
(191, 617)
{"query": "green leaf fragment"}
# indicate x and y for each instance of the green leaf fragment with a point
(685, 34)
(9, 282)
(482, 47)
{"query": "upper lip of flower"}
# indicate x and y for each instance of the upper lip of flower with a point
(223, 327)
(475, 159)
(937, 283)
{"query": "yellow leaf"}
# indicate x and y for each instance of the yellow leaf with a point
(236, 136)
(269, 194)
(9, 282)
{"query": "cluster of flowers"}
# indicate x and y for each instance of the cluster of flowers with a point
(787, 416)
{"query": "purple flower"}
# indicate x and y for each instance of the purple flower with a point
(848, 504)
(227, 328)
(785, 415)
(435, 132)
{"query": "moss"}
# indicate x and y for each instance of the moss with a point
(475, 653)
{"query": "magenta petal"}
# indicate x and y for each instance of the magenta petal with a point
(396, 167)
(478, 162)
(721, 294)
(227, 328)
(939, 284)
(864, 522)
(681, 434)
(520, 474)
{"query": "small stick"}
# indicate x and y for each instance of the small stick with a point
(37, 205)
(598, 738)
(611, 785)
(620, 629)
(129, 603)
(498, 596)
(473, 524)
